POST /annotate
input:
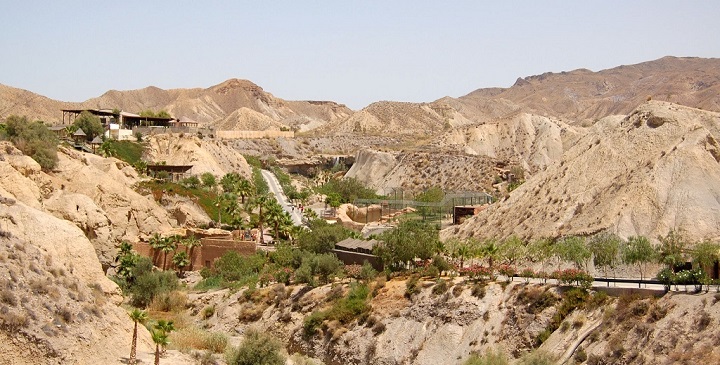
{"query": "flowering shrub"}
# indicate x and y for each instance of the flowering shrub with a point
(507, 271)
(573, 277)
(354, 271)
(283, 275)
(265, 279)
(477, 272)
(527, 274)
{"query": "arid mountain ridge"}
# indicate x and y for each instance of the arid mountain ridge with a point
(579, 96)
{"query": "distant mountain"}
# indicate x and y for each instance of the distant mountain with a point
(579, 96)
(207, 106)
(582, 95)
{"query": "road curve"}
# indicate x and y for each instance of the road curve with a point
(275, 188)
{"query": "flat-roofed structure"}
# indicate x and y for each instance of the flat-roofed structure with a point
(176, 172)
(352, 251)
(124, 119)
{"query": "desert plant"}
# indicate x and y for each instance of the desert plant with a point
(256, 348)
(137, 316)
(490, 357)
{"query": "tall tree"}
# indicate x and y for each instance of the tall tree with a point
(244, 188)
(161, 340)
(605, 249)
(574, 250)
(190, 243)
(639, 251)
(261, 202)
(672, 249)
(90, 124)
(169, 245)
(137, 316)
(165, 327)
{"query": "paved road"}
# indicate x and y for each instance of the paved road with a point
(275, 188)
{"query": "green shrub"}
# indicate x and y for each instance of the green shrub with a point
(150, 284)
(411, 286)
(257, 348)
(491, 357)
(33, 139)
(440, 287)
(536, 358)
(352, 306)
(312, 323)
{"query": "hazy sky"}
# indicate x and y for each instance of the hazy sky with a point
(351, 52)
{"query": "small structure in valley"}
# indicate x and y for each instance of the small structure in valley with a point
(356, 251)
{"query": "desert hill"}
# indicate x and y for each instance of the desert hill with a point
(583, 95)
(578, 97)
(533, 141)
(655, 170)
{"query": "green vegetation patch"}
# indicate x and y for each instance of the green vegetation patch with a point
(130, 152)
(206, 199)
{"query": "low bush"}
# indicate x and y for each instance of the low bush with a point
(412, 286)
(256, 348)
(491, 357)
(440, 287)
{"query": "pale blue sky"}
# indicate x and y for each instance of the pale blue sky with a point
(351, 52)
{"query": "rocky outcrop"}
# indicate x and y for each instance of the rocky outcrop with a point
(58, 306)
(534, 141)
(205, 155)
(407, 173)
(646, 174)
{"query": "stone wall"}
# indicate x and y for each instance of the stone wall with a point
(254, 134)
(203, 256)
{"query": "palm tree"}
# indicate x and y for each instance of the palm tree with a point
(261, 201)
(165, 327)
(229, 181)
(274, 216)
(137, 316)
(169, 244)
(245, 188)
(490, 250)
(190, 244)
(180, 260)
(160, 339)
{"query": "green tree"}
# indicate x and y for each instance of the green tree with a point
(541, 250)
(244, 188)
(165, 327)
(208, 180)
(180, 260)
(705, 255)
(190, 244)
(322, 236)
(169, 245)
(639, 251)
(137, 316)
(605, 249)
(262, 203)
(257, 348)
(512, 250)
(672, 248)
(126, 260)
(411, 239)
(573, 249)
(489, 250)
(90, 124)
(161, 340)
